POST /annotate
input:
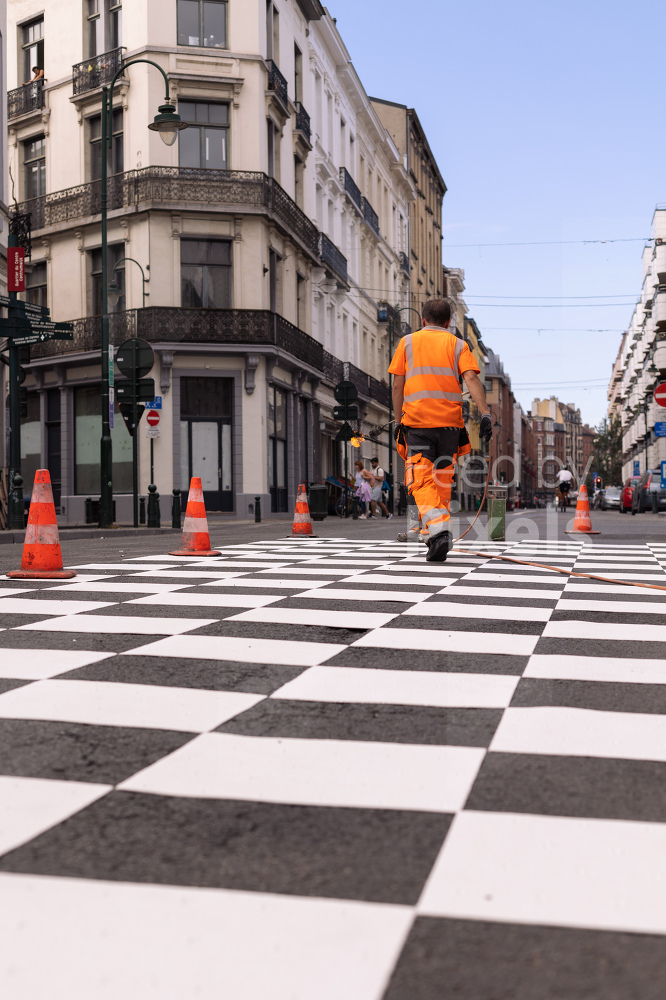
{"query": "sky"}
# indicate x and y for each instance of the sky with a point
(544, 118)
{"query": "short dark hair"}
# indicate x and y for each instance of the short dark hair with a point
(436, 312)
(374, 459)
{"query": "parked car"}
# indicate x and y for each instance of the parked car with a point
(650, 483)
(627, 493)
(610, 498)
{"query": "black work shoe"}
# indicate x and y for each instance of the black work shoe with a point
(438, 547)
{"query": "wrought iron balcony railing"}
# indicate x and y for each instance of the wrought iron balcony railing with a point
(351, 188)
(96, 71)
(332, 257)
(241, 327)
(243, 189)
(370, 216)
(302, 120)
(278, 84)
(23, 100)
(404, 262)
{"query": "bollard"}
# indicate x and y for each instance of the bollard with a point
(18, 506)
(655, 502)
(257, 510)
(354, 508)
(175, 510)
(142, 510)
(154, 514)
(497, 513)
(89, 510)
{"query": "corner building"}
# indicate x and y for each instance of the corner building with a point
(272, 237)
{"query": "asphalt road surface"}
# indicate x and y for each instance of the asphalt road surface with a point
(328, 770)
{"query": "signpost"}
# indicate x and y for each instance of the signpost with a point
(135, 359)
(152, 420)
(637, 467)
(346, 395)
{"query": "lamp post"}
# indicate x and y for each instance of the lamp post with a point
(167, 122)
(114, 291)
(390, 443)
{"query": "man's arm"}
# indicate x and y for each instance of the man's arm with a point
(473, 383)
(398, 394)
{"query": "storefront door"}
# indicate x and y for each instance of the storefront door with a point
(205, 439)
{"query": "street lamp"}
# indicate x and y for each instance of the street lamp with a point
(168, 123)
(114, 291)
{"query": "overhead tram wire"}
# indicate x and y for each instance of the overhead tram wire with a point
(550, 243)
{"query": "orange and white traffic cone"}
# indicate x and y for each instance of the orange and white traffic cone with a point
(42, 558)
(195, 540)
(302, 525)
(582, 522)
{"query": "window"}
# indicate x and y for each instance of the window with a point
(205, 274)
(550, 439)
(272, 33)
(277, 449)
(87, 434)
(115, 256)
(205, 142)
(298, 74)
(95, 40)
(32, 37)
(273, 147)
(35, 284)
(34, 166)
(298, 181)
(115, 159)
(300, 302)
(202, 22)
(115, 24)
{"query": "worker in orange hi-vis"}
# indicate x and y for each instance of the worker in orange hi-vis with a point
(427, 368)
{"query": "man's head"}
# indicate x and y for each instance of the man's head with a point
(436, 312)
(374, 462)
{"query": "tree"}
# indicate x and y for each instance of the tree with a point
(608, 451)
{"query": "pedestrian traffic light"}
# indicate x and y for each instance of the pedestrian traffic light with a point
(23, 401)
(345, 412)
(346, 395)
(24, 354)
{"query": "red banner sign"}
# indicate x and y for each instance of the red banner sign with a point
(15, 269)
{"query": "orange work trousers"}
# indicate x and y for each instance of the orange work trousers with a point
(430, 468)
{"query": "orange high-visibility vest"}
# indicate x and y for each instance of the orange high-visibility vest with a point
(432, 361)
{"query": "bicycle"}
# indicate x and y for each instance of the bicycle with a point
(562, 501)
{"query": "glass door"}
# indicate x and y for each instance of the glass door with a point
(206, 440)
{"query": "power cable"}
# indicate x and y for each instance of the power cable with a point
(550, 243)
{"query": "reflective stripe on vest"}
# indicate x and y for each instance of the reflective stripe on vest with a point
(437, 371)
(453, 397)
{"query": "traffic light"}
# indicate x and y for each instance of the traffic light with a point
(24, 354)
(23, 401)
(345, 412)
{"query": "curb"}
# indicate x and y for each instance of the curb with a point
(67, 534)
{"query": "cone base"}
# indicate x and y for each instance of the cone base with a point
(577, 531)
(41, 574)
(190, 552)
(299, 534)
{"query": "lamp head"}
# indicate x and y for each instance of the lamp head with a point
(113, 293)
(168, 123)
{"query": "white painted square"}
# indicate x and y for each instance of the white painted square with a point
(26, 606)
(39, 664)
(303, 616)
(29, 806)
(416, 641)
(497, 612)
(158, 942)
(119, 625)
(551, 870)
(122, 587)
(241, 650)
(315, 772)
(613, 670)
(404, 597)
(197, 599)
(144, 706)
(604, 630)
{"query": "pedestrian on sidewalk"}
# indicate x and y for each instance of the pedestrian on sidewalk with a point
(376, 489)
(427, 368)
(362, 482)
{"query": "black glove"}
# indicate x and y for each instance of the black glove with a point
(398, 432)
(486, 427)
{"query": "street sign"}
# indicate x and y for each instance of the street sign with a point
(663, 475)
(135, 358)
(660, 394)
(31, 308)
(345, 392)
(345, 433)
(154, 404)
(15, 269)
(145, 389)
(660, 429)
(111, 411)
(637, 467)
(153, 432)
(127, 410)
(153, 418)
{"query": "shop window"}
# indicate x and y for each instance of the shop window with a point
(205, 142)
(87, 434)
(205, 274)
(277, 449)
(115, 157)
(202, 22)
(31, 442)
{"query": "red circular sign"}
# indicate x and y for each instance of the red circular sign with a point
(660, 394)
(153, 418)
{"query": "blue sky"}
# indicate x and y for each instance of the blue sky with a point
(544, 118)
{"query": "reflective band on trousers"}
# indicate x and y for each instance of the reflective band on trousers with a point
(453, 397)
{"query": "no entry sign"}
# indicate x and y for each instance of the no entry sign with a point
(153, 418)
(660, 394)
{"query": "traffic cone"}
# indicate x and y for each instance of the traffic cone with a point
(195, 540)
(42, 558)
(302, 525)
(582, 522)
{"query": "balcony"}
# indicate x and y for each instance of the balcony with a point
(278, 85)
(370, 216)
(25, 99)
(166, 187)
(351, 188)
(302, 123)
(332, 258)
(96, 71)
(404, 262)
